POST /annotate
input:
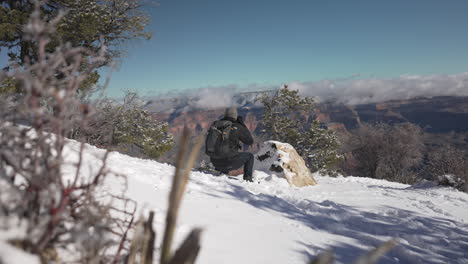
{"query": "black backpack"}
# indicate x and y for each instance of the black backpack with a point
(217, 144)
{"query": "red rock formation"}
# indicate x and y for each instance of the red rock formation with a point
(441, 114)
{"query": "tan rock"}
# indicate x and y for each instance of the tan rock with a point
(283, 159)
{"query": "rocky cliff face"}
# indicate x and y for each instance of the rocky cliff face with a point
(198, 121)
(437, 115)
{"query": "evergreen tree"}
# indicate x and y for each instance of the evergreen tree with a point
(284, 114)
(90, 24)
(285, 119)
(320, 147)
(8, 85)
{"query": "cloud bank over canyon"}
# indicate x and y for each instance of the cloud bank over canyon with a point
(346, 91)
(361, 91)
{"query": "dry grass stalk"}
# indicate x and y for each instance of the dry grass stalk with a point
(324, 258)
(136, 242)
(143, 242)
(148, 238)
(188, 251)
(373, 255)
(142, 246)
(184, 164)
(370, 258)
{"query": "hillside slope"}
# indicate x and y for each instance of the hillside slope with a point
(271, 222)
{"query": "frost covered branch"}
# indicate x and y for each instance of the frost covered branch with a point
(60, 211)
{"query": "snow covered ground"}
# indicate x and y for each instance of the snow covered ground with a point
(271, 222)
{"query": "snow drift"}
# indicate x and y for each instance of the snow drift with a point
(271, 222)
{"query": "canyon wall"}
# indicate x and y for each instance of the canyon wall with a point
(435, 115)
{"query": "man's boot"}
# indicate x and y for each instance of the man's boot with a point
(249, 179)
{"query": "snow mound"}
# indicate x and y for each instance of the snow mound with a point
(424, 184)
(272, 222)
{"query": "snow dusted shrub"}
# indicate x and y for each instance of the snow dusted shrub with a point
(451, 180)
(385, 151)
(136, 127)
(285, 120)
(207, 167)
(59, 212)
(449, 166)
(127, 128)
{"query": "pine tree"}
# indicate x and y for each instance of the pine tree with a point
(8, 85)
(283, 114)
(320, 147)
(285, 119)
(89, 24)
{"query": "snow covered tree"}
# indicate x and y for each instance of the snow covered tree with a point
(320, 147)
(285, 119)
(283, 116)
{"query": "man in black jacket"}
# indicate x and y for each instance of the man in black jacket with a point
(238, 159)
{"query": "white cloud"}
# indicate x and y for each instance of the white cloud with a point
(378, 90)
(346, 90)
(214, 97)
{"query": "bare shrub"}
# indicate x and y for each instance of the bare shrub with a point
(58, 211)
(385, 151)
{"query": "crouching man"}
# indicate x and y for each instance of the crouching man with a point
(223, 144)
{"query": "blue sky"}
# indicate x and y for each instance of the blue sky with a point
(211, 43)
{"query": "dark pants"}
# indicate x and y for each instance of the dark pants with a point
(245, 159)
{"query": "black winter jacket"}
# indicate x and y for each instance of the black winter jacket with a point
(240, 134)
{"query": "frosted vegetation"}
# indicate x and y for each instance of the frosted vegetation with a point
(285, 120)
(125, 127)
(65, 201)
